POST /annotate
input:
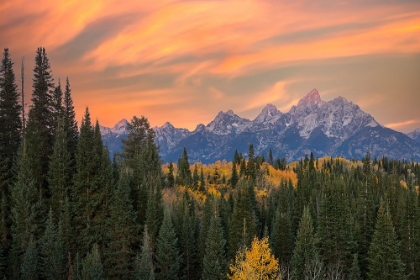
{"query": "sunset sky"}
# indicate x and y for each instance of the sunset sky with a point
(184, 61)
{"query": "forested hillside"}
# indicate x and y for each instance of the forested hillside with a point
(68, 212)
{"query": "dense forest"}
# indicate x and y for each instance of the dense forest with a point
(67, 211)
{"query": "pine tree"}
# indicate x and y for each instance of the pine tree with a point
(281, 237)
(154, 211)
(39, 132)
(140, 155)
(10, 137)
(59, 173)
(202, 182)
(354, 273)
(167, 251)
(23, 213)
(57, 104)
(214, 262)
(234, 178)
(305, 253)
(53, 259)
(70, 124)
(170, 176)
(243, 225)
(122, 231)
(251, 167)
(334, 228)
(29, 268)
(195, 178)
(410, 232)
(89, 188)
(384, 260)
(92, 268)
(184, 173)
(143, 265)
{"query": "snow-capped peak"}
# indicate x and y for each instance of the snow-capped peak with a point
(120, 127)
(311, 97)
(269, 113)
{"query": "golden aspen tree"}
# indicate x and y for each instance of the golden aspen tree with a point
(256, 263)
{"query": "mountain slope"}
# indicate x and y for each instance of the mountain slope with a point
(334, 128)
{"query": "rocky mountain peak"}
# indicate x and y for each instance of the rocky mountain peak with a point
(268, 113)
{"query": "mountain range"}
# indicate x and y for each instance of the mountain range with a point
(334, 128)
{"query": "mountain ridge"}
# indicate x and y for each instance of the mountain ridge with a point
(326, 128)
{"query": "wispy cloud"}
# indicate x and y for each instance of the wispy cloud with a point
(398, 125)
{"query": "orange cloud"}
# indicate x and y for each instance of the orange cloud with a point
(402, 124)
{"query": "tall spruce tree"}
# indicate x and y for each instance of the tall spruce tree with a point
(53, 256)
(24, 212)
(59, 173)
(89, 189)
(167, 251)
(140, 154)
(70, 123)
(39, 131)
(30, 262)
(122, 231)
(214, 262)
(384, 259)
(305, 253)
(334, 227)
(10, 138)
(92, 268)
(143, 264)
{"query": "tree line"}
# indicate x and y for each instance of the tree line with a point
(67, 211)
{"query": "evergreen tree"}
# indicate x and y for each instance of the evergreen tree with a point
(251, 167)
(24, 212)
(234, 179)
(59, 173)
(29, 268)
(167, 251)
(305, 253)
(57, 104)
(334, 228)
(70, 124)
(143, 266)
(92, 268)
(170, 176)
(214, 262)
(281, 237)
(243, 224)
(10, 137)
(122, 231)
(184, 173)
(154, 211)
(354, 273)
(39, 132)
(202, 182)
(270, 158)
(384, 259)
(52, 252)
(196, 178)
(410, 232)
(89, 190)
(140, 155)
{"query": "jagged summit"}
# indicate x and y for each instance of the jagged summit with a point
(268, 113)
(311, 97)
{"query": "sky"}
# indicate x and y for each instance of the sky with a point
(184, 61)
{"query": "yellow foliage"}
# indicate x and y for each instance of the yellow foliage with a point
(256, 263)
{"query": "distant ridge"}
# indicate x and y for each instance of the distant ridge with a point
(334, 128)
